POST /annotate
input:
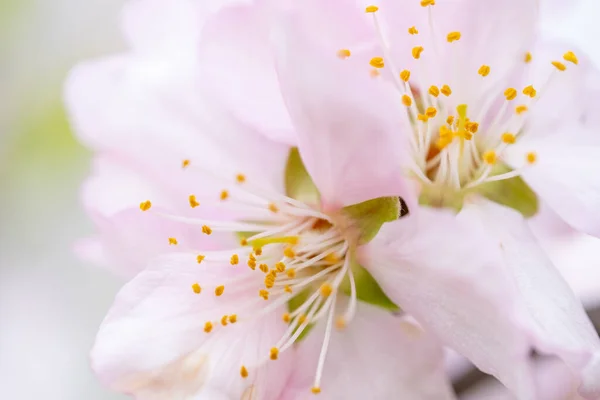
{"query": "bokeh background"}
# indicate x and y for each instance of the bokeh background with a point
(51, 303)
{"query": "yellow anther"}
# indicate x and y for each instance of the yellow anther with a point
(374, 73)
(251, 257)
(343, 53)
(416, 52)
(264, 294)
(291, 273)
(273, 208)
(377, 62)
(571, 57)
(446, 91)
(289, 252)
(206, 229)
(472, 127)
(301, 318)
(371, 9)
(431, 112)
(528, 57)
(406, 100)
(224, 320)
(273, 273)
(243, 372)
(193, 202)
(326, 289)
(269, 282)
(434, 91)
(233, 318)
(243, 241)
(453, 36)
(196, 288)
(530, 91)
(252, 264)
(219, 290)
(484, 70)
(559, 66)
(145, 205)
(200, 258)
(332, 258)
(208, 326)
(172, 241)
(450, 120)
(425, 3)
(240, 178)
(316, 389)
(340, 322)
(405, 75)
(274, 353)
(531, 157)
(235, 259)
(413, 30)
(509, 138)
(257, 250)
(521, 109)
(185, 163)
(510, 94)
(288, 288)
(286, 318)
(224, 195)
(264, 268)
(490, 157)
(422, 117)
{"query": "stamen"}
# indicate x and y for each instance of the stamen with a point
(291, 273)
(206, 229)
(521, 109)
(431, 112)
(273, 208)
(510, 94)
(434, 91)
(559, 66)
(377, 62)
(416, 52)
(406, 100)
(240, 178)
(528, 57)
(224, 320)
(571, 57)
(286, 318)
(425, 3)
(405, 75)
(529, 91)
(508, 138)
(243, 372)
(145, 205)
(208, 326)
(484, 70)
(343, 53)
(196, 288)
(185, 163)
(413, 30)
(453, 36)
(446, 91)
(172, 241)
(274, 353)
(326, 290)
(264, 294)
(371, 9)
(490, 157)
(235, 259)
(219, 290)
(531, 157)
(193, 202)
(200, 258)
(224, 195)
(315, 390)
(233, 318)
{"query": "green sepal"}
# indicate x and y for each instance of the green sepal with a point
(298, 183)
(513, 192)
(370, 215)
(367, 288)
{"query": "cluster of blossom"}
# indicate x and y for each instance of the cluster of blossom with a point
(319, 197)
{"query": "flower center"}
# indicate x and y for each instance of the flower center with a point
(292, 256)
(456, 150)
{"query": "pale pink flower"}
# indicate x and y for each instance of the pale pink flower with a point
(202, 318)
(521, 129)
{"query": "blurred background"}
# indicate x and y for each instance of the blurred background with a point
(51, 303)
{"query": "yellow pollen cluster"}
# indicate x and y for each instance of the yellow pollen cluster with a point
(510, 94)
(406, 100)
(193, 202)
(431, 112)
(484, 70)
(264, 294)
(559, 66)
(200, 258)
(528, 57)
(289, 252)
(243, 372)
(185, 163)
(446, 91)
(316, 390)
(224, 320)
(509, 138)
(371, 9)
(232, 318)
(172, 241)
(196, 288)
(264, 268)
(405, 75)
(274, 353)
(377, 62)
(145, 205)
(425, 3)
(273, 208)
(206, 229)
(235, 259)
(413, 30)
(280, 267)
(434, 91)
(530, 91)
(343, 53)
(219, 290)
(291, 273)
(453, 37)
(571, 57)
(490, 157)
(208, 327)
(531, 157)
(224, 195)
(416, 52)
(326, 290)
(240, 178)
(521, 109)
(286, 317)
(288, 289)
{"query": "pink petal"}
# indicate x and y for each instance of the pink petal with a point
(393, 354)
(449, 276)
(559, 322)
(153, 338)
(239, 69)
(347, 123)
